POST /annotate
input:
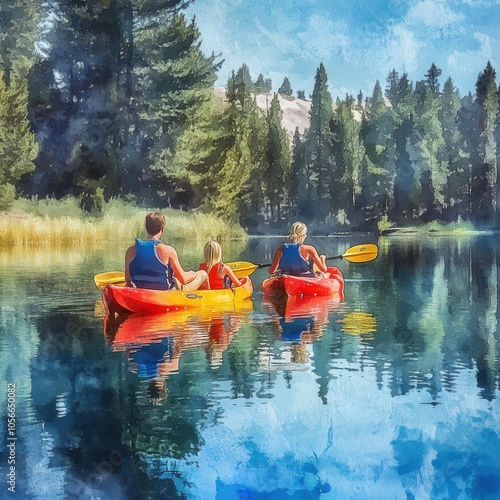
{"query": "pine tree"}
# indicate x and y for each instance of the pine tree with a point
(346, 184)
(377, 131)
(253, 211)
(298, 176)
(392, 89)
(176, 79)
(485, 189)
(18, 148)
(285, 88)
(278, 161)
(320, 160)
(404, 182)
(73, 112)
(432, 77)
(233, 177)
(260, 85)
(18, 34)
(427, 154)
(200, 152)
(458, 184)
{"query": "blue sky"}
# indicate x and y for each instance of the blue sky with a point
(358, 41)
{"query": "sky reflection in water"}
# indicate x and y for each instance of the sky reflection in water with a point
(390, 394)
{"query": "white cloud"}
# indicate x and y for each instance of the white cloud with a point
(432, 14)
(479, 3)
(324, 38)
(472, 61)
(400, 50)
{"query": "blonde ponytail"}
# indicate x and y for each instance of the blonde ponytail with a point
(297, 231)
(212, 254)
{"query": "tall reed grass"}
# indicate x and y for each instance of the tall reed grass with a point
(62, 223)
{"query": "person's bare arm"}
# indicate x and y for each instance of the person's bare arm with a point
(227, 271)
(129, 255)
(310, 253)
(168, 256)
(276, 260)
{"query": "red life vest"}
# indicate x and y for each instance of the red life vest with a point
(215, 279)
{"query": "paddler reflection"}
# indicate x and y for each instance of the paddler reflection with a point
(301, 321)
(154, 344)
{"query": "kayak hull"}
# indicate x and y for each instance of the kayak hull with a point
(120, 300)
(290, 286)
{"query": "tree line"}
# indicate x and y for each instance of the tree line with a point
(114, 98)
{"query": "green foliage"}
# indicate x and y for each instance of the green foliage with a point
(427, 151)
(485, 174)
(262, 85)
(384, 224)
(123, 105)
(177, 80)
(319, 155)
(458, 182)
(432, 77)
(278, 161)
(7, 196)
(18, 34)
(286, 88)
(18, 148)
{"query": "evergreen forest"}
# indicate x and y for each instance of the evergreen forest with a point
(115, 99)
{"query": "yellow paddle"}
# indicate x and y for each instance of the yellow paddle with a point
(110, 278)
(358, 253)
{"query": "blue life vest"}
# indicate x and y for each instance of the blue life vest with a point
(147, 270)
(293, 263)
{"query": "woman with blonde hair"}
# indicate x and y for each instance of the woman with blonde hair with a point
(297, 259)
(220, 275)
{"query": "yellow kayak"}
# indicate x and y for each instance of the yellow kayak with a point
(119, 299)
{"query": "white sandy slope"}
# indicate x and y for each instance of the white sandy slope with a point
(296, 112)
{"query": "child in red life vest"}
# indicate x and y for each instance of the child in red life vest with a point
(220, 275)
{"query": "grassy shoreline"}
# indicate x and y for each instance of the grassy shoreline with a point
(434, 228)
(62, 223)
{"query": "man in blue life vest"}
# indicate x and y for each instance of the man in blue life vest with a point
(298, 259)
(152, 264)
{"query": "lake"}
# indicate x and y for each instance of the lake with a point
(392, 393)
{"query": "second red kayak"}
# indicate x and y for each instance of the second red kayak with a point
(287, 285)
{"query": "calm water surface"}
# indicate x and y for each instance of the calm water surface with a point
(391, 394)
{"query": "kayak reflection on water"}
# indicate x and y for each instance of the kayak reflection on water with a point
(300, 321)
(155, 343)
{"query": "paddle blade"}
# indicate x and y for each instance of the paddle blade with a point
(111, 278)
(242, 268)
(361, 253)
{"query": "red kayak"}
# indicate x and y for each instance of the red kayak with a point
(287, 285)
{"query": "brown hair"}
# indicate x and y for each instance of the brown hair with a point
(155, 222)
